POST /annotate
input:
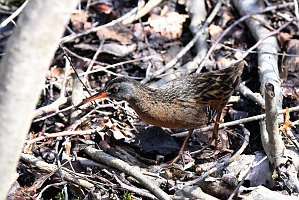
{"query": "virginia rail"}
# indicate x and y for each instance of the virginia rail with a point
(184, 103)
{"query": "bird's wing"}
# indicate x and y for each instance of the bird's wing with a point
(217, 86)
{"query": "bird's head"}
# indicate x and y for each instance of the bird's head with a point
(121, 88)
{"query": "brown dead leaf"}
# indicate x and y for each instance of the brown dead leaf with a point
(171, 53)
(79, 21)
(287, 122)
(287, 126)
(68, 148)
(214, 31)
(117, 133)
(169, 26)
(223, 62)
(226, 16)
(55, 72)
(118, 32)
(103, 7)
(290, 90)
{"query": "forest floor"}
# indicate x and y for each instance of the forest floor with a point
(103, 150)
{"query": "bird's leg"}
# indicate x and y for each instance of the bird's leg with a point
(215, 131)
(214, 136)
(182, 150)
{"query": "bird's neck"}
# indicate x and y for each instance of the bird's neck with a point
(143, 97)
(145, 101)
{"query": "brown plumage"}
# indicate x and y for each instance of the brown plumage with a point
(184, 103)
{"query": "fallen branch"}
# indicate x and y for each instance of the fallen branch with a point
(128, 169)
(255, 97)
(277, 153)
(50, 168)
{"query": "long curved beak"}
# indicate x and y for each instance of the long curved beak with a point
(99, 95)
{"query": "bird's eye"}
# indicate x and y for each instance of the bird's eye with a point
(115, 89)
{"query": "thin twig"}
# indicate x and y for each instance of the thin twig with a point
(255, 97)
(62, 99)
(95, 29)
(224, 33)
(62, 134)
(51, 168)
(48, 186)
(134, 189)
(142, 11)
(188, 46)
(13, 15)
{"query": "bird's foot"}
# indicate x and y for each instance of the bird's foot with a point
(182, 156)
(217, 146)
(182, 151)
(207, 146)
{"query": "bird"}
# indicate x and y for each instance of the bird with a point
(187, 102)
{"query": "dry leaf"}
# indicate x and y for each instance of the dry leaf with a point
(169, 26)
(288, 124)
(214, 31)
(103, 7)
(55, 72)
(79, 21)
(118, 32)
(110, 48)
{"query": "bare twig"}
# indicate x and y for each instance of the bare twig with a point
(53, 114)
(224, 33)
(91, 63)
(53, 168)
(13, 15)
(274, 147)
(95, 29)
(143, 11)
(244, 177)
(62, 134)
(255, 97)
(58, 102)
(48, 186)
(272, 142)
(198, 15)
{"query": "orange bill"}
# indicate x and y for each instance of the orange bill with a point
(93, 98)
